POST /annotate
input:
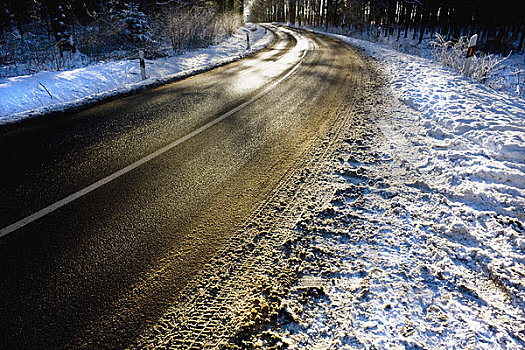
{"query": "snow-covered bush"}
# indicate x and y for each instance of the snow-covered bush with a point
(115, 32)
(111, 30)
(181, 26)
(229, 22)
(34, 50)
(195, 26)
(485, 66)
(450, 53)
(453, 54)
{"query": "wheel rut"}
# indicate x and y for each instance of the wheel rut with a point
(239, 290)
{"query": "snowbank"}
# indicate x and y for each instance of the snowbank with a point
(29, 96)
(468, 139)
(422, 242)
(507, 76)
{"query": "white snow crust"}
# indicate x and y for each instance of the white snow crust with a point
(421, 246)
(29, 96)
(468, 139)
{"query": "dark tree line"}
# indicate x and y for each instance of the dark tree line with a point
(499, 23)
(35, 32)
(58, 16)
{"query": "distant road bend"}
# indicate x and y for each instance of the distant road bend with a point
(108, 214)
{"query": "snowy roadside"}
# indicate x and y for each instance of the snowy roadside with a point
(469, 139)
(422, 242)
(506, 76)
(30, 96)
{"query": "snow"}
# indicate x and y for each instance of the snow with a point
(471, 138)
(25, 97)
(423, 244)
(507, 76)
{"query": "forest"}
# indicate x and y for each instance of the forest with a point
(59, 34)
(41, 35)
(500, 24)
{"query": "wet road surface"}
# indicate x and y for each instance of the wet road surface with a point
(200, 156)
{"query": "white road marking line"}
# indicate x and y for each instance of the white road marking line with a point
(49, 209)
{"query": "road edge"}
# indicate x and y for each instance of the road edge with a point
(33, 118)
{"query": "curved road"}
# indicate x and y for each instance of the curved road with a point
(95, 201)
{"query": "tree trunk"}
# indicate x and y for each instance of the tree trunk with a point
(422, 28)
(520, 45)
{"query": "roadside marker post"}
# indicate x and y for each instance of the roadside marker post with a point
(248, 41)
(142, 65)
(470, 53)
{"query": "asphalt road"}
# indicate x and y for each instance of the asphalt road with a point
(205, 153)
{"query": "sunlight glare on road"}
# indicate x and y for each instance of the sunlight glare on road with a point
(254, 79)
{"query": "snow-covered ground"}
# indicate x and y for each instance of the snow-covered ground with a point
(29, 96)
(507, 76)
(422, 242)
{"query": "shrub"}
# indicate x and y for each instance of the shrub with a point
(196, 26)
(117, 30)
(453, 54)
